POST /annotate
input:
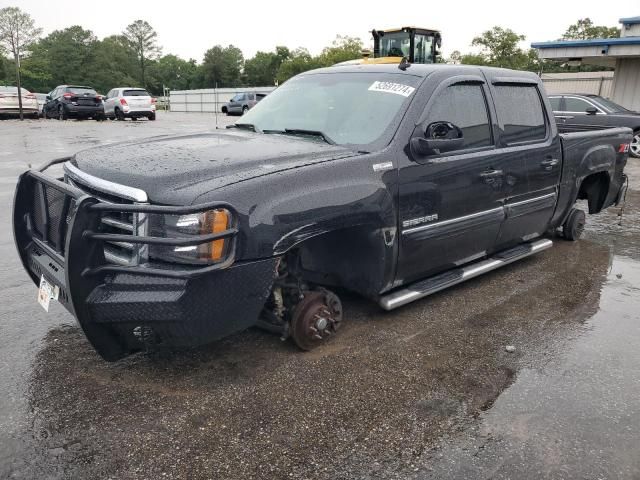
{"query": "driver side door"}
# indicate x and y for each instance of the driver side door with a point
(451, 203)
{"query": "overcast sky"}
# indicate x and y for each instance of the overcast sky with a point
(188, 28)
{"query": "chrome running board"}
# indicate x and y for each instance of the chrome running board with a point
(431, 285)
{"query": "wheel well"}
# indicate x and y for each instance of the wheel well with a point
(594, 188)
(354, 258)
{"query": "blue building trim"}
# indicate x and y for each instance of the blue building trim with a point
(630, 20)
(588, 43)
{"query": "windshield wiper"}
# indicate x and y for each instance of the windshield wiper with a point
(245, 126)
(315, 133)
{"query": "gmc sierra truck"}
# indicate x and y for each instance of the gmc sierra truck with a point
(391, 181)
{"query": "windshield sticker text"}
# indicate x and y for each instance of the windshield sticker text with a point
(389, 87)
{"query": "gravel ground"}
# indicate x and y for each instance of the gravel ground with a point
(428, 391)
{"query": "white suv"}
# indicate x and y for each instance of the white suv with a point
(126, 102)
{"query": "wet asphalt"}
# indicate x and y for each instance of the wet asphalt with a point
(425, 392)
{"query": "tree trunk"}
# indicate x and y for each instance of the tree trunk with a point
(19, 90)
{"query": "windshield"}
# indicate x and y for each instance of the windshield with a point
(81, 90)
(348, 108)
(609, 105)
(395, 44)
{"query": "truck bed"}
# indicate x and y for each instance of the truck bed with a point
(590, 150)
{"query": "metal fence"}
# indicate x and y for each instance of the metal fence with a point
(598, 83)
(207, 99)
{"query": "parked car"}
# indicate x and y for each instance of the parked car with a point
(74, 101)
(391, 182)
(9, 102)
(42, 100)
(579, 112)
(129, 102)
(242, 103)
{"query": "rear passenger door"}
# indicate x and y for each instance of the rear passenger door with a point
(528, 139)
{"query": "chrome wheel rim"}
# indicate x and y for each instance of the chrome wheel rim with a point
(635, 145)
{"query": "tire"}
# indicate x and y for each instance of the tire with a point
(224, 110)
(573, 226)
(634, 148)
(152, 117)
(245, 109)
(62, 114)
(118, 114)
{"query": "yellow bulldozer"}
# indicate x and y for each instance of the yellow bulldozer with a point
(414, 44)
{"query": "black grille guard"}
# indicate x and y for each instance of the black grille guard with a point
(77, 246)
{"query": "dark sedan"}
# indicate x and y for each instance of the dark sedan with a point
(583, 111)
(66, 101)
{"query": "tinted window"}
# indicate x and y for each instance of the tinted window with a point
(465, 107)
(609, 105)
(81, 90)
(555, 103)
(135, 93)
(572, 104)
(520, 110)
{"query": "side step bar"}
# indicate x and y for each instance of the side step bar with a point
(431, 285)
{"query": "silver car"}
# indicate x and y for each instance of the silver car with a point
(129, 102)
(242, 103)
(9, 102)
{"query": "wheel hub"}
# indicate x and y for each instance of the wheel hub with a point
(316, 317)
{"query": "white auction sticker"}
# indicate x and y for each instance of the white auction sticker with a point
(46, 293)
(389, 87)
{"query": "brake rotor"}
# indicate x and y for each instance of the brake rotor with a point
(316, 318)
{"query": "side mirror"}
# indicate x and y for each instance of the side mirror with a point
(48, 98)
(591, 110)
(439, 137)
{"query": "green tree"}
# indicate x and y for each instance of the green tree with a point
(144, 42)
(172, 72)
(262, 69)
(299, 61)
(584, 29)
(63, 56)
(500, 47)
(222, 66)
(342, 48)
(17, 34)
(114, 64)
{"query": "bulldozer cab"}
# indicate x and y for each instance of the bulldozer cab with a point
(417, 45)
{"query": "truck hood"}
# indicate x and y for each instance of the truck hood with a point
(177, 169)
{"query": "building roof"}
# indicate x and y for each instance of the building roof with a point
(588, 43)
(630, 20)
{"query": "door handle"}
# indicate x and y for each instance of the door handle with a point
(490, 176)
(549, 163)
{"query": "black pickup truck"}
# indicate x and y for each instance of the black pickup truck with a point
(390, 181)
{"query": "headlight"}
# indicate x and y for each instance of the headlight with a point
(183, 226)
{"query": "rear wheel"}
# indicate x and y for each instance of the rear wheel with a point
(152, 116)
(634, 148)
(119, 115)
(245, 109)
(573, 226)
(62, 115)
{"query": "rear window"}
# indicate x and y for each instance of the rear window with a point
(135, 93)
(520, 110)
(81, 90)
